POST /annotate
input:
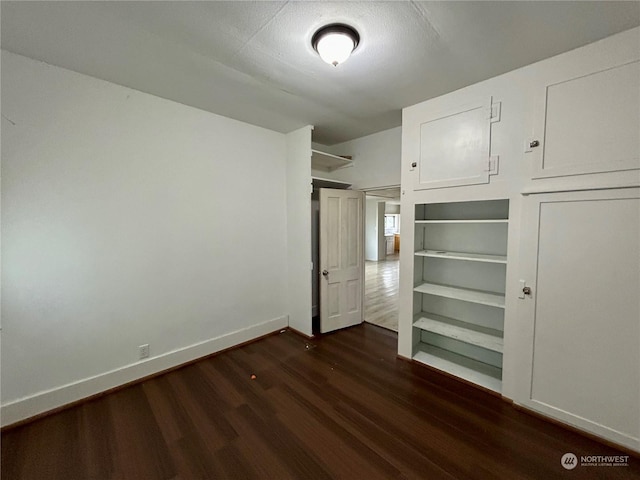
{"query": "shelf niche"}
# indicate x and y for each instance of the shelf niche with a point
(459, 288)
(328, 162)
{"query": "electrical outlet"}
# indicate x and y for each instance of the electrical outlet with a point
(143, 350)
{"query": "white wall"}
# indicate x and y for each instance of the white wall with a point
(376, 160)
(382, 240)
(298, 211)
(391, 208)
(128, 219)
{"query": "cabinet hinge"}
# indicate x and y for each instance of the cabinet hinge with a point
(493, 165)
(495, 112)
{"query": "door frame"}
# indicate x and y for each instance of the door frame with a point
(366, 191)
(373, 189)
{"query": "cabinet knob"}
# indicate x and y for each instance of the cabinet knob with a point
(534, 143)
(325, 273)
(526, 290)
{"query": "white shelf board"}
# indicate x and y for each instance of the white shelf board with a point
(319, 182)
(465, 294)
(472, 257)
(461, 331)
(487, 376)
(328, 161)
(498, 220)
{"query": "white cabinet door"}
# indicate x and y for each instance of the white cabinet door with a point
(454, 147)
(581, 259)
(589, 123)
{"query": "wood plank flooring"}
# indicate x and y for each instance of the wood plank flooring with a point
(381, 292)
(342, 406)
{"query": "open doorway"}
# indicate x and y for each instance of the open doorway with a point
(382, 257)
(381, 253)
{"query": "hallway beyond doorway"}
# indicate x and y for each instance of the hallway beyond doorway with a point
(381, 292)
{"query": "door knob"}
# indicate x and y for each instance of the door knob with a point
(526, 290)
(325, 273)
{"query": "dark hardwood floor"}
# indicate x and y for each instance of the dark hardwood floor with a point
(341, 406)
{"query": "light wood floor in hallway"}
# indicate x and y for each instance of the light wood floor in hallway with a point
(381, 292)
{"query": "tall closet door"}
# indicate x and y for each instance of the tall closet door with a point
(581, 261)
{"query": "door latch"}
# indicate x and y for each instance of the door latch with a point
(525, 290)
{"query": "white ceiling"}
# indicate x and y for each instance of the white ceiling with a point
(252, 61)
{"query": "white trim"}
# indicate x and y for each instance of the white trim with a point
(583, 424)
(44, 401)
(578, 188)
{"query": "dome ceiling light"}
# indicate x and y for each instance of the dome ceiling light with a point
(334, 43)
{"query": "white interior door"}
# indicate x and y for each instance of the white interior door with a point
(341, 258)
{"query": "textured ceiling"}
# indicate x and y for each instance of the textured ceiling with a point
(252, 61)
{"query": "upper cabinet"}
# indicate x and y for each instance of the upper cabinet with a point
(588, 123)
(454, 146)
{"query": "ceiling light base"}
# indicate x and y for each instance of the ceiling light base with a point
(335, 43)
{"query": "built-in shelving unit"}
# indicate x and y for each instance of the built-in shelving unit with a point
(459, 288)
(328, 162)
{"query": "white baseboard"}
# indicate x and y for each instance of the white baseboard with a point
(41, 402)
(619, 438)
